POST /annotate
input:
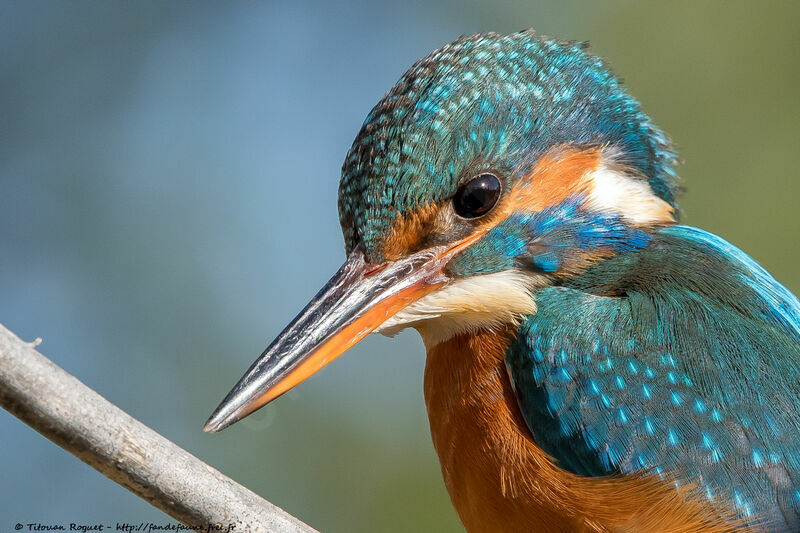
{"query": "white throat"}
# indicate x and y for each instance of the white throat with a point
(487, 301)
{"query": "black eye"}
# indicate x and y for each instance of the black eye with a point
(477, 196)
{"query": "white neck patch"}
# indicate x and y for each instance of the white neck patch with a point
(613, 191)
(486, 301)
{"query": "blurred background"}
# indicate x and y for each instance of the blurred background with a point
(169, 174)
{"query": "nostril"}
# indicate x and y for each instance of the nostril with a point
(374, 269)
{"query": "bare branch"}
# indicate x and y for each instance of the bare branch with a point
(72, 415)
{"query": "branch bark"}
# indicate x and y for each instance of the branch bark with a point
(60, 407)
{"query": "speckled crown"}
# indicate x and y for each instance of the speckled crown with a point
(488, 101)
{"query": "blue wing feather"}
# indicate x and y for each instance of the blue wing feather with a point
(683, 359)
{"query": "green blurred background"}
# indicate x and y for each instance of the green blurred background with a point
(169, 174)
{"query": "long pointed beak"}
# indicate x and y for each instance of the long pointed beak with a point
(357, 299)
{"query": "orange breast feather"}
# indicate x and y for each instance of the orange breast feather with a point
(499, 479)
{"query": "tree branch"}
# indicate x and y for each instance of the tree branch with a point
(72, 415)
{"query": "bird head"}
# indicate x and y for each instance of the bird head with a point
(495, 166)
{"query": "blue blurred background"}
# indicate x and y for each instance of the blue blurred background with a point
(169, 174)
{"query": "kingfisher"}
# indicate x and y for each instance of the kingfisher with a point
(592, 364)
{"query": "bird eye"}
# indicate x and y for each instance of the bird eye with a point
(478, 196)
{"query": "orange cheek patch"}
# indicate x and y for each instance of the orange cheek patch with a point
(559, 174)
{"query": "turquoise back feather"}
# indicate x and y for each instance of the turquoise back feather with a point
(682, 359)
